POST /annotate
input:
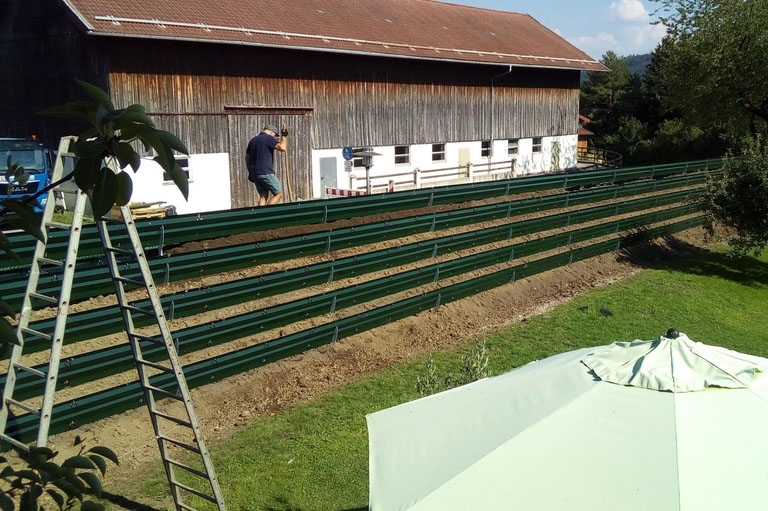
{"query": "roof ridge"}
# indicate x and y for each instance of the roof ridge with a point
(474, 7)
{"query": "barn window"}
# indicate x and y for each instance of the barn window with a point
(402, 154)
(485, 148)
(357, 162)
(438, 152)
(513, 146)
(184, 164)
(537, 144)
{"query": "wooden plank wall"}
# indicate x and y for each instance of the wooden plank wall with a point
(355, 100)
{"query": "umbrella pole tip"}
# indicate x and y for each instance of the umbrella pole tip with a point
(672, 334)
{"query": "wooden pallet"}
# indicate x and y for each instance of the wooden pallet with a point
(142, 210)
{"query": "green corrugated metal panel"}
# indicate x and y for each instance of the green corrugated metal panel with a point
(184, 228)
(92, 277)
(80, 411)
(103, 321)
(101, 363)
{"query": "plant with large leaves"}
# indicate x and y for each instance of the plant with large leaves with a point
(41, 481)
(104, 150)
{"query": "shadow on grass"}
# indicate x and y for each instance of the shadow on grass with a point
(680, 256)
(282, 504)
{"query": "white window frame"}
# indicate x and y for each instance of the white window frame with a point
(513, 147)
(184, 167)
(440, 151)
(406, 155)
(485, 152)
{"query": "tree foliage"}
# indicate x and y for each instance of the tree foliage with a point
(738, 197)
(714, 71)
(41, 483)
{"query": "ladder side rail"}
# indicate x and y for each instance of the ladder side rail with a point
(34, 276)
(172, 354)
(135, 344)
(61, 319)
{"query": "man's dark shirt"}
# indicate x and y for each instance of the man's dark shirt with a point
(261, 150)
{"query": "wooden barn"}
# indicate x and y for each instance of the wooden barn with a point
(426, 84)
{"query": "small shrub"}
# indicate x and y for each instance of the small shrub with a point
(474, 366)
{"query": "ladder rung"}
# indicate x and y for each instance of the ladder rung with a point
(65, 190)
(45, 298)
(180, 422)
(133, 282)
(161, 367)
(53, 262)
(164, 392)
(36, 333)
(13, 402)
(24, 447)
(119, 251)
(138, 310)
(196, 492)
(29, 370)
(111, 220)
(68, 155)
(147, 338)
(58, 225)
(187, 468)
(179, 443)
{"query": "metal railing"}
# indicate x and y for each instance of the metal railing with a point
(161, 233)
(418, 178)
(596, 158)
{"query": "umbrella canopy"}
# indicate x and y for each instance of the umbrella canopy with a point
(669, 424)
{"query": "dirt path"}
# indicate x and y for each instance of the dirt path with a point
(228, 405)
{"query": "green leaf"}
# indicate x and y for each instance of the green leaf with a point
(104, 192)
(87, 172)
(78, 462)
(7, 332)
(26, 219)
(68, 488)
(6, 310)
(7, 247)
(90, 147)
(45, 451)
(57, 498)
(180, 178)
(7, 472)
(127, 156)
(50, 471)
(83, 110)
(28, 501)
(99, 462)
(106, 452)
(6, 504)
(78, 440)
(172, 141)
(124, 188)
(71, 478)
(30, 475)
(93, 481)
(133, 117)
(89, 505)
(95, 93)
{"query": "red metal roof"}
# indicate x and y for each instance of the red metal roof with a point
(424, 29)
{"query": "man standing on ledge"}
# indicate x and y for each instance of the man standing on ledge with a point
(260, 158)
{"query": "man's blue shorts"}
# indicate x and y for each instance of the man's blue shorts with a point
(266, 183)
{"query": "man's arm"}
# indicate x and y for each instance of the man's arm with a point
(282, 145)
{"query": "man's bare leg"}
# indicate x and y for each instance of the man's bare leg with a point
(274, 200)
(263, 199)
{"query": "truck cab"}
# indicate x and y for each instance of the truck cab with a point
(37, 162)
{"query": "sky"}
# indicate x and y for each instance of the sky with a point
(593, 26)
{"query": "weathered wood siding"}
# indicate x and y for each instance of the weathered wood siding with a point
(355, 100)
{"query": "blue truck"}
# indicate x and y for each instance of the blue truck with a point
(37, 162)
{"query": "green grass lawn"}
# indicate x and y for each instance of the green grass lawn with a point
(315, 456)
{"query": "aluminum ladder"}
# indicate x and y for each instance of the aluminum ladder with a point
(61, 302)
(176, 389)
(174, 386)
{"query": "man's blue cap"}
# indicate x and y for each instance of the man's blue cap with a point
(271, 127)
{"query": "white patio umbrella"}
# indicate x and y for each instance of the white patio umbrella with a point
(660, 425)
